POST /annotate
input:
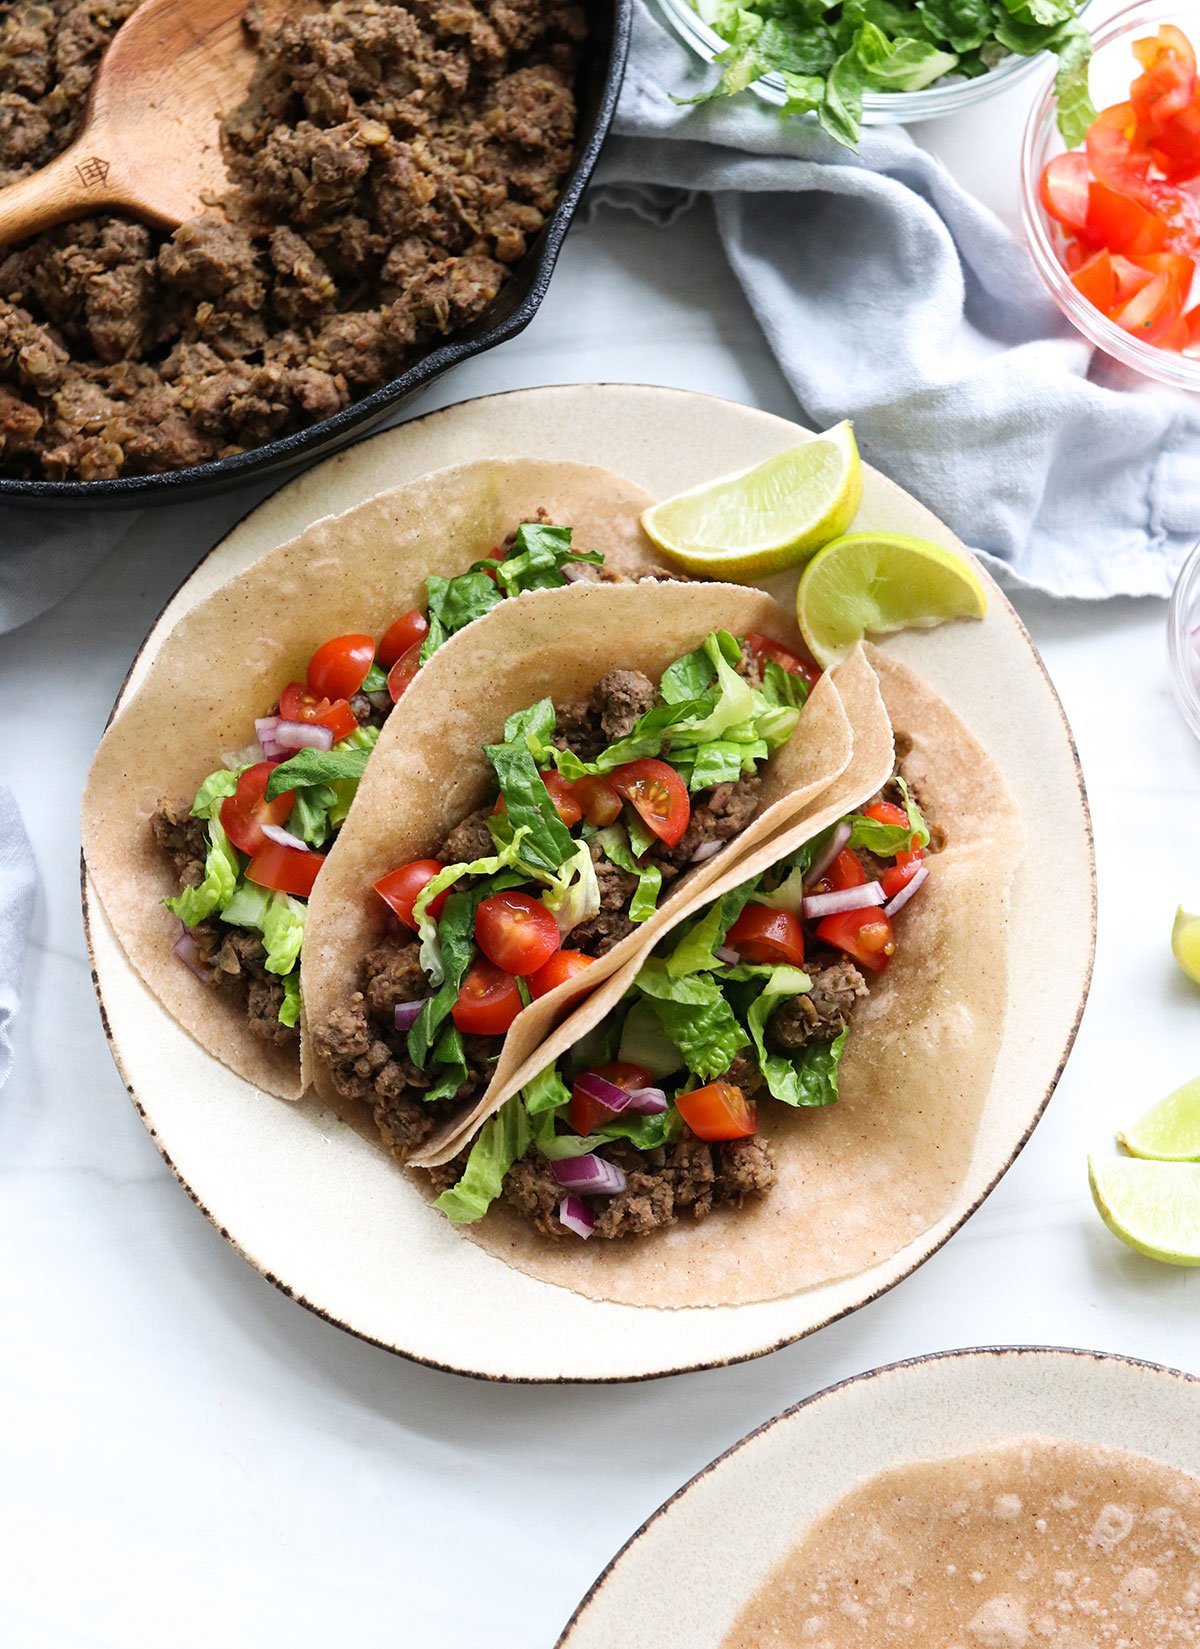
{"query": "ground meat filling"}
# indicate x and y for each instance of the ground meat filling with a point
(393, 161)
(234, 957)
(824, 1012)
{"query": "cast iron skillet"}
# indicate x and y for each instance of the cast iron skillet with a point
(516, 304)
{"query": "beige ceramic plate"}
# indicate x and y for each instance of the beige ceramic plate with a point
(328, 1218)
(662, 1591)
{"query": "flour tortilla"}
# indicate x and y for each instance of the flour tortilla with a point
(227, 660)
(860, 1180)
(429, 772)
(1034, 1540)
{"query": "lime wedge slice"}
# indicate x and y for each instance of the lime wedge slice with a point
(1185, 943)
(763, 519)
(870, 583)
(1152, 1206)
(1170, 1130)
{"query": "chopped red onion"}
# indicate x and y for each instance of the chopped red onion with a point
(303, 735)
(574, 1214)
(406, 1013)
(726, 953)
(906, 892)
(185, 949)
(589, 1173)
(276, 833)
(706, 850)
(833, 847)
(265, 729)
(817, 905)
(647, 1102)
(575, 572)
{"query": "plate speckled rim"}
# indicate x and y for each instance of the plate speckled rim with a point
(321, 1213)
(662, 1591)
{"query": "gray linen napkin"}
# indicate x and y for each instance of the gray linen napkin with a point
(892, 297)
(16, 908)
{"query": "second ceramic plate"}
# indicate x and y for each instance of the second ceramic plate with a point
(329, 1219)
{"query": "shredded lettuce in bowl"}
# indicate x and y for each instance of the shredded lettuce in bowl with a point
(829, 55)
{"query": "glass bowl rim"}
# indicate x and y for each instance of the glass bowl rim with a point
(1180, 646)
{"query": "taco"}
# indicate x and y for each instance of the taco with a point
(557, 783)
(784, 1086)
(222, 782)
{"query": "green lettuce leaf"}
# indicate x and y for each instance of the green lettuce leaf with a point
(702, 937)
(538, 557)
(289, 1008)
(283, 932)
(645, 1043)
(221, 871)
(317, 767)
(548, 844)
(575, 895)
(501, 1141)
(693, 1012)
(1076, 111)
(614, 841)
(214, 790)
(808, 1077)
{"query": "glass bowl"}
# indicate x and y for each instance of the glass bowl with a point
(1113, 68)
(946, 97)
(1183, 640)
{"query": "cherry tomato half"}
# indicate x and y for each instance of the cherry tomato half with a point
(659, 795)
(562, 794)
(796, 664)
(718, 1111)
(405, 632)
(1121, 223)
(245, 812)
(488, 1000)
(900, 874)
(586, 1114)
(400, 889)
(866, 935)
(764, 935)
(600, 803)
(1151, 313)
(563, 965)
(296, 703)
(400, 676)
(284, 869)
(887, 813)
(516, 932)
(339, 667)
(845, 871)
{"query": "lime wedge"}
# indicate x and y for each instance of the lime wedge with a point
(1152, 1206)
(1185, 943)
(1170, 1130)
(870, 583)
(763, 519)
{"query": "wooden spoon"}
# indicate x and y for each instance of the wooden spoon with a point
(149, 143)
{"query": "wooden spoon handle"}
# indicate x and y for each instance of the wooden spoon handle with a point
(73, 184)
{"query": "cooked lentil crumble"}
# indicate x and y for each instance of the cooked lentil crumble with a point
(390, 166)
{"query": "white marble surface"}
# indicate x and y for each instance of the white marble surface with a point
(186, 1457)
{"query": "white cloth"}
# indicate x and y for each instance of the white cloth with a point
(892, 297)
(17, 880)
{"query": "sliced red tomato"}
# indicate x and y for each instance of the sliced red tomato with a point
(1168, 81)
(245, 812)
(488, 1000)
(1152, 312)
(1121, 223)
(1177, 338)
(409, 630)
(400, 676)
(516, 932)
(562, 794)
(796, 664)
(296, 703)
(1177, 265)
(1130, 277)
(658, 794)
(400, 889)
(866, 935)
(1063, 189)
(1097, 281)
(900, 874)
(764, 935)
(1114, 153)
(284, 869)
(845, 871)
(1192, 321)
(490, 571)
(339, 667)
(888, 813)
(563, 965)
(1175, 146)
(586, 1114)
(600, 803)
(718, 1111)
(1075, 256)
